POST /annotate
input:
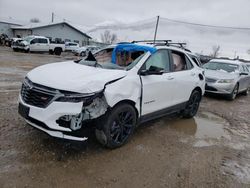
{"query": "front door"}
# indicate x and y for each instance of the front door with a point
(157, 89)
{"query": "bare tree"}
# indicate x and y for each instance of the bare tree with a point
(215, 51)
(34, 20)
(108, 37)
(248, 51)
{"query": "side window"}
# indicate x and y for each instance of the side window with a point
(42, 41)
(189, 64)
(180, 62)
(34, 41)
(242, 69)
(245, 69)
(159, 59)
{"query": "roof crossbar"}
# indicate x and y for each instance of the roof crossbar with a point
(164, 43)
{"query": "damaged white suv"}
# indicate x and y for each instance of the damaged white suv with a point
(118, 87)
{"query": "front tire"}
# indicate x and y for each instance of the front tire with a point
(234, 93)
(116, 127)
(192, 105)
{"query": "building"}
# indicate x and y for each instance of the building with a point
(5, 26)
(60, 32)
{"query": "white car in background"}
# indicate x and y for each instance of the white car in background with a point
(38, 44)
(84, 50)
(70, 46)
(117, 90)
(227, 77)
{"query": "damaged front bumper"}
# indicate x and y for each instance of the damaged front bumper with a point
(45, 119)
(61, 114)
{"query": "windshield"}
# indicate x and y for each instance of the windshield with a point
(28, 39)
(103, 59)
(226, 67)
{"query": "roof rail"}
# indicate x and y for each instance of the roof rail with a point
(164, 43)
(153, 41)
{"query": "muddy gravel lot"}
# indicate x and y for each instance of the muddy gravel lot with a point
(210, 150)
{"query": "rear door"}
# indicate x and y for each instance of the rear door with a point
(157, 90)
(43, 44)
(185, 77)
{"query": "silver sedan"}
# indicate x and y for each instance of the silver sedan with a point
(227, 77)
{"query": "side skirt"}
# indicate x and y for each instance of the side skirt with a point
(163, 112)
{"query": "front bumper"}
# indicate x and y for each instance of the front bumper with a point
(45, 119)
(219, 88)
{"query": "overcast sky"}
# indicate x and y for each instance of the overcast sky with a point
(89, 12)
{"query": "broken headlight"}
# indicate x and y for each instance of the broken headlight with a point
(75, 98)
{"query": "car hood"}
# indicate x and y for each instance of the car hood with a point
(71, 76)
(216, 74)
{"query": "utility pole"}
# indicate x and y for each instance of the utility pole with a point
(235, 53)
(156, 27)
(52, 17)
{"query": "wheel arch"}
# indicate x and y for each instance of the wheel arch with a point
(197, 89)
(130, 102)
(58, 48)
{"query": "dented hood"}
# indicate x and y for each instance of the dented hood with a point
(71, 76)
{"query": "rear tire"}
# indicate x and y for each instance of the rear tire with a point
(58, 51)
(192, 105)
(116, 127)
(234, 93)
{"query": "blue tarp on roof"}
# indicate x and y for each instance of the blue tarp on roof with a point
(131, 47)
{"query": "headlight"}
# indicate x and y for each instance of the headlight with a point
(74, 98)
(226, 81)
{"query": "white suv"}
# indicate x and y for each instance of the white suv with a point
(118, 87)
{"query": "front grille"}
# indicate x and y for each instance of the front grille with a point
(36, 96)
(211, 80)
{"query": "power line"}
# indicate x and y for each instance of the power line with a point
(135, 24)
(205, 25)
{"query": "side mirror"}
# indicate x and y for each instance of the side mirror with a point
(243, 74)
(152, 71)
(32, 42)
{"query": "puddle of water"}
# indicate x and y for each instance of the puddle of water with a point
(207, 125)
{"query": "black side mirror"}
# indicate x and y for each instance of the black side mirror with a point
(152, 71)
(243, 74)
